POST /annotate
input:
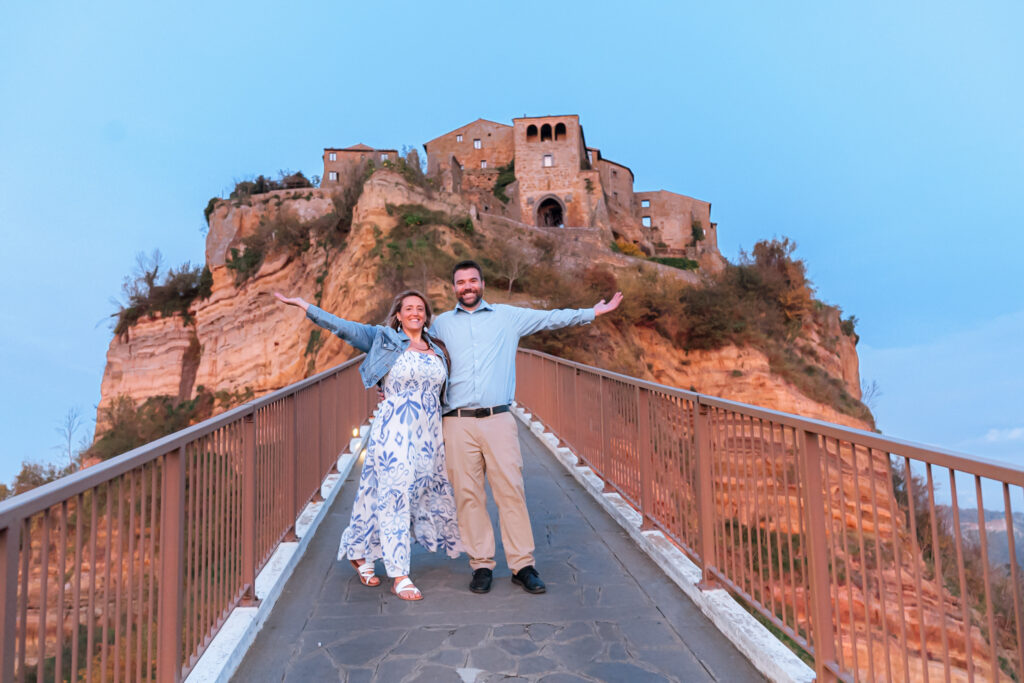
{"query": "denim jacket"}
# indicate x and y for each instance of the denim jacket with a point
(382, 345)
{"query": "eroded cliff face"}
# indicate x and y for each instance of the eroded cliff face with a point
(241, 338)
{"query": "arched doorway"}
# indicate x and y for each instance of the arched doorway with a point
(550, 213)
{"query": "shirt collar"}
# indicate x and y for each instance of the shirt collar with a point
(484, 306)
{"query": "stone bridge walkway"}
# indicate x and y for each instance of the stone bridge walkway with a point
(610, 614)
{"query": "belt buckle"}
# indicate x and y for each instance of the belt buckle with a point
(482, 412)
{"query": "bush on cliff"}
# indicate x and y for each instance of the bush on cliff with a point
(761, 302)
(131, 425)
(262, 184)
(146, 295)
(506, 176)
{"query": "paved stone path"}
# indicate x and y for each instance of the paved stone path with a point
(610, 614)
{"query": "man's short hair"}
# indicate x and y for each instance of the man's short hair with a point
(468, 263)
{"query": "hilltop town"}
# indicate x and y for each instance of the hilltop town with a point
(540, 172)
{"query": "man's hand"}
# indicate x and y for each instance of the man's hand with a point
(292, 301)
(600, 308)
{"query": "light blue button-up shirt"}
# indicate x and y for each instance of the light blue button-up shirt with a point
(482, 344)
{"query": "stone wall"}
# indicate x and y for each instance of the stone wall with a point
(495, 147)
(672, 216)
(349, 161)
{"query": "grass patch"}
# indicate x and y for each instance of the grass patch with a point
(681, 263)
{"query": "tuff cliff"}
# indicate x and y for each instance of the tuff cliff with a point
(395, 231)
(239, 338)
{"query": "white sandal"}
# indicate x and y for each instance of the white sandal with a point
(366, 574)
(406, 586)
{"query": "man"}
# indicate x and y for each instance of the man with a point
(480, 433)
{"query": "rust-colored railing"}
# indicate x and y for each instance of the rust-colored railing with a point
(879, 558)
(126, 570)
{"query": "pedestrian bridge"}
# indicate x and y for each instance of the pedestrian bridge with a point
(682, 537)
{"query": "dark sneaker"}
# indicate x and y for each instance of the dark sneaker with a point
(527, 578)
(481, 582)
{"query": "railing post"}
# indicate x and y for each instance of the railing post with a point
(292, 472)
(705, 493)
(10, 540)
(810, 456)
(317, 496)
(172, 549)
(249, 510)
(646, 454)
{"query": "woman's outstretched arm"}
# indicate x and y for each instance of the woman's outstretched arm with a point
(357, 334)
(292, 301)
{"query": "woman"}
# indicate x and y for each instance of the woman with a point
(404, 493)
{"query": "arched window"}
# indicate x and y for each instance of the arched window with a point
(549, 214)
(545, 132)
(559, 131)
(531, 133)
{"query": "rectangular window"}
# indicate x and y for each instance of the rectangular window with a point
(483, 163)
(383, 157)
(332, 175)
(332, 157)
(590, 156)
(646, 220)
(458, 138)
(645, 203)
(614, 173)
(477, 144)
(548, 161)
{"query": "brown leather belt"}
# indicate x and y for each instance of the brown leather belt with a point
(477, 412)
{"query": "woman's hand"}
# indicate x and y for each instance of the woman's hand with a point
(292, 301)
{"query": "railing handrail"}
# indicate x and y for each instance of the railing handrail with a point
(42, 497)
(934, 455)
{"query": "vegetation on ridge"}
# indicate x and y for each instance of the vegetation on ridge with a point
(146, 295)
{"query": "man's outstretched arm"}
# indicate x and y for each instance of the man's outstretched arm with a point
(600, 308)
(530, 321)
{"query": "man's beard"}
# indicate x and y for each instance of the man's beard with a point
(469, 298)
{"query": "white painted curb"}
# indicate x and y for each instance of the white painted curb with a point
(225, 652)
(766, 652)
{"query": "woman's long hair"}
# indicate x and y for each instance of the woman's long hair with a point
(393, 323)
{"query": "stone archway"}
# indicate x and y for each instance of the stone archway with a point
(550, 213)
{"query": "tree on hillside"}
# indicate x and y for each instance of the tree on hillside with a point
(66, 430)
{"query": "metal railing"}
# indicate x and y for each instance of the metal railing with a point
(877, 557)
(127, 569)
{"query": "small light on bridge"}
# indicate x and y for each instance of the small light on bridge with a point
(355, 432)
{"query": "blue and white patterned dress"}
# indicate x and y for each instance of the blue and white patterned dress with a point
(404, 493)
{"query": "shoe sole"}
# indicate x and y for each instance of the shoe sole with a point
(480, 591)
(536, 592)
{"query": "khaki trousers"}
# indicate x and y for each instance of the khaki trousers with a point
(488, 447)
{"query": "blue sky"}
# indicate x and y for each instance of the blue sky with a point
(885, 140)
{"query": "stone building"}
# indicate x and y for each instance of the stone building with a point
(340, 163)
(560, 182)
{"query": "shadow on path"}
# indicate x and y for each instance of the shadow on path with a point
(610, 614)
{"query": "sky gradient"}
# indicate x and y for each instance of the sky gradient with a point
(885, 141)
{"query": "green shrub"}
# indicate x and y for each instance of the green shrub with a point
(210, 207)
(681, 263)
(697, 231)
(147, 296)
(506, 176)
(848, 326)
(409, 168)
(130, 426)
(262, 184)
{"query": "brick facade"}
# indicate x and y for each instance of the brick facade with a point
(559, 181)
(672, 218)
(343, 163)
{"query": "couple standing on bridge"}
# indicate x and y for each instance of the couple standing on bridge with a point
(453, 375)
